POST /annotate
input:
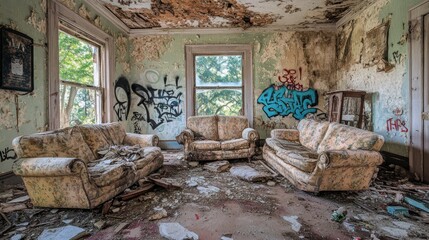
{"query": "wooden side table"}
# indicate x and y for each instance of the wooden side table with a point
(346, 107)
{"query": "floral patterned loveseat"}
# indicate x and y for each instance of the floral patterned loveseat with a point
(83, 166)
(217, 138)
(323, 156)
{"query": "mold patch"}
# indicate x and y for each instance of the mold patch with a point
(149, 48)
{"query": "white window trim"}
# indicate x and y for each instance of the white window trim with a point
(220, 49)
(56, 13)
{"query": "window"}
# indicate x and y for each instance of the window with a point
(220, 80)
(80, 70)
(80, 83)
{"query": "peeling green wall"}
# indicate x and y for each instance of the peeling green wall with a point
(29, 18)
(313, 52)
(389, 103)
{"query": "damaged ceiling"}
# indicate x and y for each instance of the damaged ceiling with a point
(183, 14)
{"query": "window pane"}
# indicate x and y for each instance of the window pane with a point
(218, 70)
(78, 60)
(78, 106)
(219, 101)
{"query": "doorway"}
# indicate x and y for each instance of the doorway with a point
(419, 91)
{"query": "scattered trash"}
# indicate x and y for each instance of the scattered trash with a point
(67, 232)
(208, 191)
(100, 224)
(159, 214)
(247, 173)
(217, 166)
(395, 232)
(12, 207)
(417, 203)
(18, 236)
(226, 238)
(106, 207)
(293, 220)
(120, 227)
(339, 215)
(8, 226)
(397, 211)
(175, 231)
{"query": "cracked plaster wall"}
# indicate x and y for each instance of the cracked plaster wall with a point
(32, 109)
(388, 89)
(314, 52)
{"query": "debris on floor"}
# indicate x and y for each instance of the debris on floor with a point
(68, 232)
(217, 166)
(175, 231)
(248, 173)
(339, 215)
(220, 205)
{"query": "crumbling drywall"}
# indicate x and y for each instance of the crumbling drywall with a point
(368, 62)
(302, 60)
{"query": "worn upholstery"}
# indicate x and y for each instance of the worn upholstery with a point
(342, 158)
(217, 138)
(83, 166)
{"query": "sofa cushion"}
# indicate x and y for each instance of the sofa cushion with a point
(150, 154)
(280, 144)
(203, 127)
(66, 142)
(205, 145)
(311, 133)
(231, 127)
(106, 171)
(343, 137)
(102, 136)
(235, 144)
(305, 161)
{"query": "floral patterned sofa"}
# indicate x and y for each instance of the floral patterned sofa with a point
(323, 156)
(83, 166)
(217, 138)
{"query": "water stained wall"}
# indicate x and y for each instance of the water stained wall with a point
(379, 67)
(305, 58)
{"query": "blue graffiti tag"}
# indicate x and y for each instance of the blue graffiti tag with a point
(283, 102)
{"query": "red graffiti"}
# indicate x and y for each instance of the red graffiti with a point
(289, 79)
(396, 125)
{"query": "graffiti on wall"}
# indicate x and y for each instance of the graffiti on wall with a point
(159, 105)
(123, 98)
(7, 154)
(281, 101)
(396, 124)
(289, 97)
(289, 77)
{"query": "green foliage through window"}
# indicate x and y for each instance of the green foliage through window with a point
(219, 85)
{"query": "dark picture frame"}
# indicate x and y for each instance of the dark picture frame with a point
(16, 62)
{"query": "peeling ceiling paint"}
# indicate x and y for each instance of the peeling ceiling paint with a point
(169, 14)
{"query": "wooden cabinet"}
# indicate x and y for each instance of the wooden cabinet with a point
(346, 107)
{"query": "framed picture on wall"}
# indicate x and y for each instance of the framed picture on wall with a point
(16, 62)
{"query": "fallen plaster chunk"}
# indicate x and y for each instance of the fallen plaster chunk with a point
(218, 166)
(293, 220)
(403, 225)
(249, 174)
(17, 236)
(159, 213)
(175, 231)
(193, 164)
(208, 191)
(68, 232)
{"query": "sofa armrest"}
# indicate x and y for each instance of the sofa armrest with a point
(144, 140)
(285, 134)
(349, 158)
(48, 166)
(185, 136)
(250, 134)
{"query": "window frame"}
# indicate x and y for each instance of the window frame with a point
(60, 18)
(245, 50)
